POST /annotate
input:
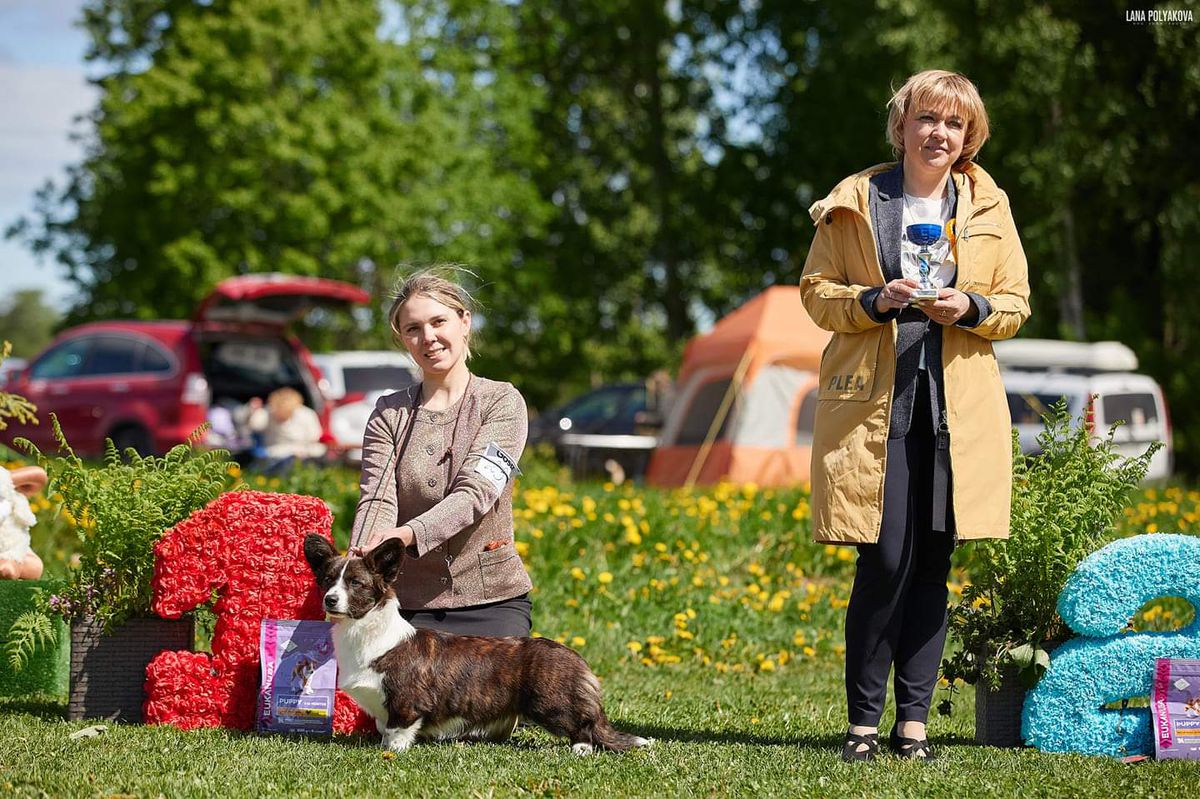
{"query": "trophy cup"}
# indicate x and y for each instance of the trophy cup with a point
(924, 235)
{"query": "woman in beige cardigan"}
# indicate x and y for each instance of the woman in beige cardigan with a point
(439, 462)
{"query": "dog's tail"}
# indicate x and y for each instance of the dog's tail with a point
(606, 736)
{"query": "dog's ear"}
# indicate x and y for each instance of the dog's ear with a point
(386, 558)
(317, 551)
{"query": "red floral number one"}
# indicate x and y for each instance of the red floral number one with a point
(247, 548)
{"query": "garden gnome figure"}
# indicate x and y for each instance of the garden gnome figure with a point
(17, 560)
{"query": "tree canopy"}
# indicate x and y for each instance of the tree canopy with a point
(616, 172)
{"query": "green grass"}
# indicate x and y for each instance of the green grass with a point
(716, 627)
(761, 736)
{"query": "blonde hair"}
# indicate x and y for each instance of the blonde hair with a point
(938, 89)
(283, 402)
(437, 284)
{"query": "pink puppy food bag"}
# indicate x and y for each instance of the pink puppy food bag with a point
(299, 677)
(1175, 707)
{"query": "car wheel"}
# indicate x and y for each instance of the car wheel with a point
(134, 436)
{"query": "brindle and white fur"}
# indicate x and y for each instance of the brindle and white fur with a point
(436, 686)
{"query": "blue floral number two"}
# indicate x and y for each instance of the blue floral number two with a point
(1065, 712)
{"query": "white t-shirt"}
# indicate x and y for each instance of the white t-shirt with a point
(942, 268)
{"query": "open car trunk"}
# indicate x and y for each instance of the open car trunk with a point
(240, 366)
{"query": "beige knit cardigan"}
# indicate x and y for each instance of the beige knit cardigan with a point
(453, 485)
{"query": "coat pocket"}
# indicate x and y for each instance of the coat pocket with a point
(499, 570)
(848, 365)
(978, 251)
(973, 286)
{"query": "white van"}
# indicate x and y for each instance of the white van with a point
(1100, 384)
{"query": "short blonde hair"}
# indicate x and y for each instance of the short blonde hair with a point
(438, 285)
(937, 89)
(283, 402)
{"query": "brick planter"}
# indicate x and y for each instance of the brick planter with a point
(998, 713)
(108, 671)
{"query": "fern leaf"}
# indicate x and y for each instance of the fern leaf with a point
(31, 631)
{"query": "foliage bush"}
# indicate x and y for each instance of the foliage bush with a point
(120, 508)
(14, 406)
(1065, 502)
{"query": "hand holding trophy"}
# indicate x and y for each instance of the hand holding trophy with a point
(924, 236)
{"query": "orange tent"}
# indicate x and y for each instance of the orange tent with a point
(746, 398)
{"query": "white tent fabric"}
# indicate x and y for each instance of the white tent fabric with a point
(765, 418)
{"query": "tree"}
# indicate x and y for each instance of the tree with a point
(27, 322)
(1090, 118)
(237, 136)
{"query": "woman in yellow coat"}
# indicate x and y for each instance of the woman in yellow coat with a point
(912, 449)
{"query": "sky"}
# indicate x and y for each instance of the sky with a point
(42, 90)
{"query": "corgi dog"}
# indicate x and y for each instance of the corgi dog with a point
(429, 685)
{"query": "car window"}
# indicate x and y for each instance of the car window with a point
(112, 355)
(595, 406)
(1030, 407)
(701, 412)
(65, 360)
(366, 379)
(806, 419)
(633, 405)
(1138, 412)
(153, 360)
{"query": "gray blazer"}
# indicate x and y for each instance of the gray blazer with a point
(453, 486)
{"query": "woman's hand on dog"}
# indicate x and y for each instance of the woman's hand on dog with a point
(404, 533)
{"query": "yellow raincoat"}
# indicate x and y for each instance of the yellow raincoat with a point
(858, 368)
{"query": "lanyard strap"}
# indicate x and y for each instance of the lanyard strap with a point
(396, 454)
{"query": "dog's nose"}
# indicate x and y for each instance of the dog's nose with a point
(330, 602)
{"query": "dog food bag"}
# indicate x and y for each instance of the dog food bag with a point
(299, 677)
(1175, 708)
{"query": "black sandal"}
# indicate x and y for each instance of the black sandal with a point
(910, 748)
(851, 752)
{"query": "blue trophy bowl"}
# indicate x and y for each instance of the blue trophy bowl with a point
(923, 234)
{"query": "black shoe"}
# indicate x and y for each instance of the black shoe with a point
(851, 752)
(910, 748)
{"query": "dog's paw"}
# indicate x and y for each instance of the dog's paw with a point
(583, 750)
(639, 742)
(397, 739)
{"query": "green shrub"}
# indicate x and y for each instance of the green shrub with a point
(119, 509)
(1064, 505)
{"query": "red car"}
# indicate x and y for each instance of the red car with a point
(148, 385)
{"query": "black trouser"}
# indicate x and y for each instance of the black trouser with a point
(506, 617)
(897, 611)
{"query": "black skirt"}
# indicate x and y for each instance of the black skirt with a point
(506, 617)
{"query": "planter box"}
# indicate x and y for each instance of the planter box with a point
(998, 713)
(108, 671)
(46, 671)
